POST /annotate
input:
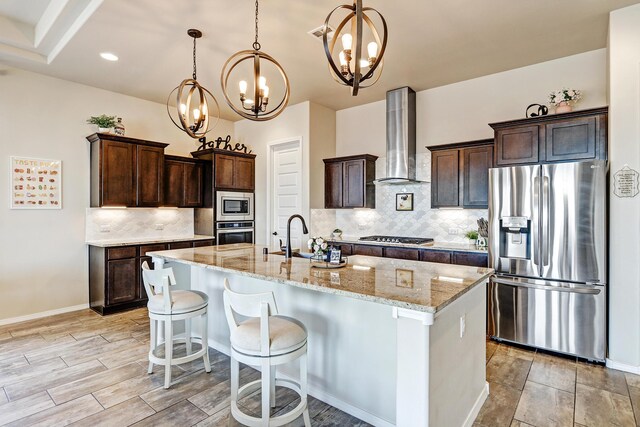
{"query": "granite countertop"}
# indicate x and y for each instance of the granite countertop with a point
(147, 241)
(442, 246)
(416, 285)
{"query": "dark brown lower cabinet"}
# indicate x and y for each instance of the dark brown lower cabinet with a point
(471, 258)
(115, 274)
(443, 257)
(402, 253)
(367, 250)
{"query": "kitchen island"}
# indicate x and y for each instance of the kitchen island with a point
(392, 342)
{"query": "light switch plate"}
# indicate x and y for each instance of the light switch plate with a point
(159, 226)
(105, 228)
(453, 231)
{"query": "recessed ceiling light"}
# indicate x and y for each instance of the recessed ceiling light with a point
(108, 56)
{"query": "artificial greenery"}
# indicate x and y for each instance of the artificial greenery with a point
(102, 121)
(337, 230)
(472, 235)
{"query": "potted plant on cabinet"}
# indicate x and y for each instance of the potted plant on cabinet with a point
(105, 123)
(472, 236)
(336, 234)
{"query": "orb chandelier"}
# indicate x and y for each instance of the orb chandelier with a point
(255, 105)
(354, 68)
(193, 101)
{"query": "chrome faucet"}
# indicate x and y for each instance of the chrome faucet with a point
(288, 252)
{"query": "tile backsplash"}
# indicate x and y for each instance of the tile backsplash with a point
(131, 224)
(385, 220)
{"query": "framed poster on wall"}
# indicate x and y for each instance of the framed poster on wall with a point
(35, 183)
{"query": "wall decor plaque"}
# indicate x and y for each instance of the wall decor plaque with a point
(404, 201)
(625, 182)
(35, 183)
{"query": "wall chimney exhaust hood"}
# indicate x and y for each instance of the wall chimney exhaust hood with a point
(401, 137)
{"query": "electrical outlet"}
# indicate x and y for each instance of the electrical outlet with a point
(463, 324)
(159, 226)
(104, 228)
(453, 231)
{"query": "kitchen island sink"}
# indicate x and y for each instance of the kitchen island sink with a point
(392, 342)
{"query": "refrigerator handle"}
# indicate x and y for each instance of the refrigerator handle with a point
(545, 221)
(576, 289)
(535, 235)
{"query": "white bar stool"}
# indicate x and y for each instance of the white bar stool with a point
(266, 339)
(169, 306)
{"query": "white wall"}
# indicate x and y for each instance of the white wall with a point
(315, 124)
(624, 149)
(461, 111)
(43, 259)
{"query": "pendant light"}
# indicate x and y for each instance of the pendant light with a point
(193, 101)
(354, 68)
(255, 105)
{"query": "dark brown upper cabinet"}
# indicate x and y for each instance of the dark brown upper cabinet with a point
(126, 171)
(183, 182)
(234, 172)
(348, 182)
(578, 135)
(460, 174)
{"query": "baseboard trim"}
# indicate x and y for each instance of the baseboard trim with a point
(477, 406)
(342, 405)
(623, 367)
(34, 316)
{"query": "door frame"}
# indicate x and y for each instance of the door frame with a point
(271, 147)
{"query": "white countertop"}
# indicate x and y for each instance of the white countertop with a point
(146, 241)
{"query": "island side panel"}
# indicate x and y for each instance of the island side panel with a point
(351, 344)
(458, 386)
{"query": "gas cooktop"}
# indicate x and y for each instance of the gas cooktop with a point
(397, 239)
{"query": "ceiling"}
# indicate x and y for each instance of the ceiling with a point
(431, 42)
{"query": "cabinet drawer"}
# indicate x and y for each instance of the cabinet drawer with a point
(470, 258)
(367, 250)
(180, 245)
(346, 249)
(443, 257)
(402, 253)
(122, 253)
(201, 243)
(152, 248)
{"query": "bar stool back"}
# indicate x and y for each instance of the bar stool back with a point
(166, 305)
(265, 339)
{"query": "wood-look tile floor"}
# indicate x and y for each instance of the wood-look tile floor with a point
(83, 369)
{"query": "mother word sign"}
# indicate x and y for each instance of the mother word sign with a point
(35, 183)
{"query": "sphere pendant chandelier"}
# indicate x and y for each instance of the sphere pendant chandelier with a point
(353, 68)
(194, 121)
(259, 107)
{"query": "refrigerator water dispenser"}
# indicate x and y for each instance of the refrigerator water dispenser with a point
(515, 232)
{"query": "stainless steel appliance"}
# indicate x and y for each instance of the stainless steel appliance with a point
(548, 245)
(397, 239)
(234, 232)
(234, 206)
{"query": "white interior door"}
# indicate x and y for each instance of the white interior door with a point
(286, 192)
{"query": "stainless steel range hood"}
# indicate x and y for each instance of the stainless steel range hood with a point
(401, 137)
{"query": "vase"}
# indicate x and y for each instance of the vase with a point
(336, 235)
(104, 130)
(118, 129)
(563, 107)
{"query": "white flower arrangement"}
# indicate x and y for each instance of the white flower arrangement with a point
(318, 245)
(564, 95)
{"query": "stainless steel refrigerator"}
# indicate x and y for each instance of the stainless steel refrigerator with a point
(548, 246)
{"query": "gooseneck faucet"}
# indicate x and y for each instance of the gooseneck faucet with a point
(288, 253)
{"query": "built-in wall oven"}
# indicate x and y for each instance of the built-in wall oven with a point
(234, 217)
(234, 232)
(234, 206)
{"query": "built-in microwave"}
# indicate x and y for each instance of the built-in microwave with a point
(234, 206)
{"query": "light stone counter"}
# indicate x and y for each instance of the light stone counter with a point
(414, 285)
(107, 243)
(440, 246)
(392, 342)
